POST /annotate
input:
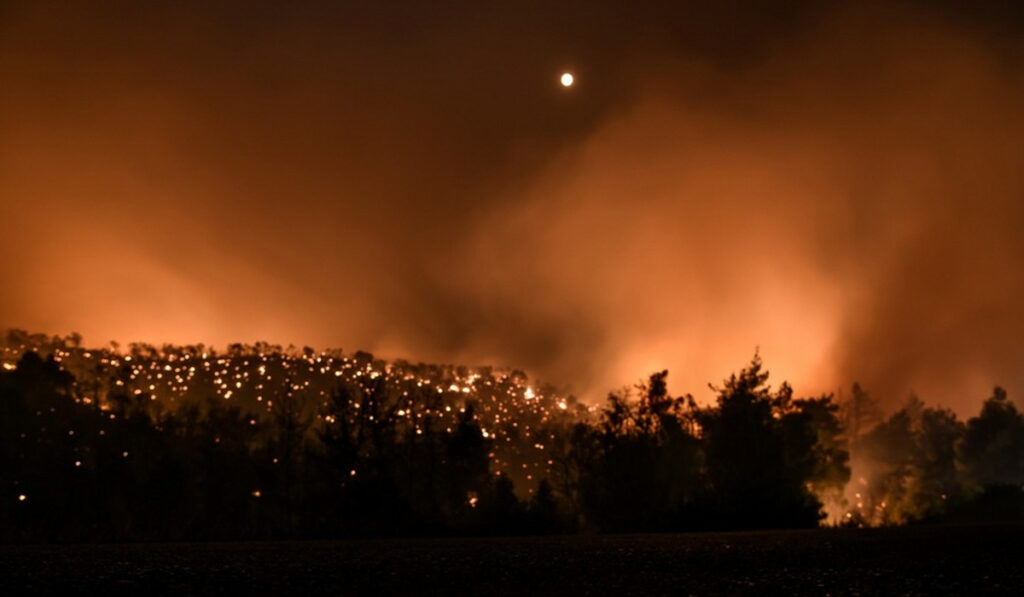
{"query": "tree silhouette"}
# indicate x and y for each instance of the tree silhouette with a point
(760, 451)
(859, 414)
(641, 464)
(914, 473)
(993, 446)
(401, 449)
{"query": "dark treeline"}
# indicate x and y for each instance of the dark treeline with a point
(756, 459)
(923, 464)
(387, 455)
(123, 470)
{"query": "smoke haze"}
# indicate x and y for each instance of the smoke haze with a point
(841, 188)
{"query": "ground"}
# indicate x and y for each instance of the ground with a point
(923, 560)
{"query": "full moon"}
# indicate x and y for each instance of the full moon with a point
(567, 79)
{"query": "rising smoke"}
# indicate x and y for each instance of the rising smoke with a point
(841, 188)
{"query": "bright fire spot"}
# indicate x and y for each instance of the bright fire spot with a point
(567, 79)
(562, 404)
(256, 493)
(22, 497)
(528, 394)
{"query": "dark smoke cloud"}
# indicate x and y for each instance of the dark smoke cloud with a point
(841, 187)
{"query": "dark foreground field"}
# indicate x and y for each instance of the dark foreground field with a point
(947, 560)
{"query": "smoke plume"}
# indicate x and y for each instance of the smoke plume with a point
(838, 187)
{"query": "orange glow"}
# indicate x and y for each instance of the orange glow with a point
(851, 206)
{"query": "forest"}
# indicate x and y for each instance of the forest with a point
(261, 441)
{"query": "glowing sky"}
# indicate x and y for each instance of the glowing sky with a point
(841, 187)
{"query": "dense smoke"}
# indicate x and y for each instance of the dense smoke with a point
(839, 188)
(855, 214)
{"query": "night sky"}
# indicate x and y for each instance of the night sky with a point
(842, 187)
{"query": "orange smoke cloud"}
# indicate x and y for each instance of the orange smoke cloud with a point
(849, 208)
(842, 192)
